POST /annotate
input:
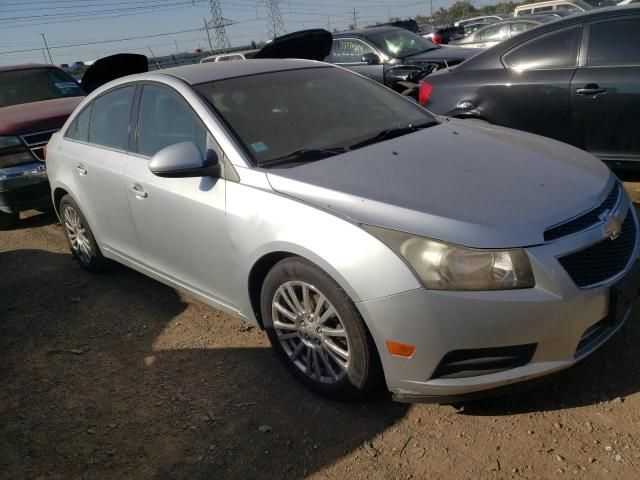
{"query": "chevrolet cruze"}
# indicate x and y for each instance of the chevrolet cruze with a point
(372, 240)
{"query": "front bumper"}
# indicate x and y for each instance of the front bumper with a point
(559, 321)
(24, 187)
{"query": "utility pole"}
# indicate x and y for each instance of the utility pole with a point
(328, 23)
(206, 27)
(276, 22)
(177, 51)
(44, 56)
(47, 47)
(355, 19)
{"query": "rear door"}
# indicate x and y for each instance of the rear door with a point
(605, 91)
(98, 161)
(181, 222)
(348, 53)
(532, 92)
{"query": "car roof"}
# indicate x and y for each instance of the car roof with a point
(364, 32)
(213, 71)
(26, 66)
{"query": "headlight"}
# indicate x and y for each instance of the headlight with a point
(444, 266)
(6, 142)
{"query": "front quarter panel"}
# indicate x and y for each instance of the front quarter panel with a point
(261, 222)
(59, 173)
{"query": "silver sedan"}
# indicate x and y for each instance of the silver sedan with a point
(372, 240)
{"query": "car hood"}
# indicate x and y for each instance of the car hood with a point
(314, 44)
(109, 68)
(444, 53)
(462, 181)
(37, 116)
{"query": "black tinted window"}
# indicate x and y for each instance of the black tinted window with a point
(165, 120)
(554, 50)
(615, 43)
(109, 125)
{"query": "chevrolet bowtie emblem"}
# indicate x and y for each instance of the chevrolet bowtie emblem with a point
(612, 224)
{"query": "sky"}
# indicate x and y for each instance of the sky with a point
(169, 26)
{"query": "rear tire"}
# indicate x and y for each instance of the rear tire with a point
(8, 220)
(317, 331)
(79, 237)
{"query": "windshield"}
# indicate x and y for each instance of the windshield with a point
(36, 84)
(401, 43)
(275, 115)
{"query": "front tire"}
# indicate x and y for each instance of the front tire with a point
(79, 237)
(317, 331)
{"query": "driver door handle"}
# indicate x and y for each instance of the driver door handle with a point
(591, 89)
(138, 191)
(81, 170)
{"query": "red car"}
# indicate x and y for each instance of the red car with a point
(35, 101)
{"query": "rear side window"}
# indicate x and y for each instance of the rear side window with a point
(552, 51)
(494, 33)
(109, 125)
(79, 128)
(164, 119)
(614, 43)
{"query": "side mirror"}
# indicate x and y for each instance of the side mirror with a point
(370, 59)
(183, 160)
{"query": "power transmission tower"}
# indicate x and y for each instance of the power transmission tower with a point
(275, 23)
(218, 24)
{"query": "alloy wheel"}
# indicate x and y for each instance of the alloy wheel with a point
(311, 332)
(77, 235)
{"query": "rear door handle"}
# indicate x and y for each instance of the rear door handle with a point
(81, 170)
(138, 191)
(591, 90)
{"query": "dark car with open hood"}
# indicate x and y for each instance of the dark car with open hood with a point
(390, 55)
(35, 101)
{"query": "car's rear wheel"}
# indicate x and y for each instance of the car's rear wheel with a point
(79, 237)
(8, 220)
(317, 331)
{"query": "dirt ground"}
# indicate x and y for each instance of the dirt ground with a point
(116, 376)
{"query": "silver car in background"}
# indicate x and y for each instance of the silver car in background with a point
(371, 239)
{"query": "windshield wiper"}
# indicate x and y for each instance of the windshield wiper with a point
(392, 133)
(303, 155)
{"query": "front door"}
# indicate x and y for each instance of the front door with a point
(605, 92)
(181, 222)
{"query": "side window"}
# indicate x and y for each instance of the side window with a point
(614, 43)
(519, 27)
(567, 7)
(79, 128)
(526, 11)
(551, 51)
(495, 33)
(164, 119)
(350, 50)
(546, 8)
(110, 115)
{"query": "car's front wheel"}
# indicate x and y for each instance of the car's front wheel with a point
(79, 237)
(317, 331)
